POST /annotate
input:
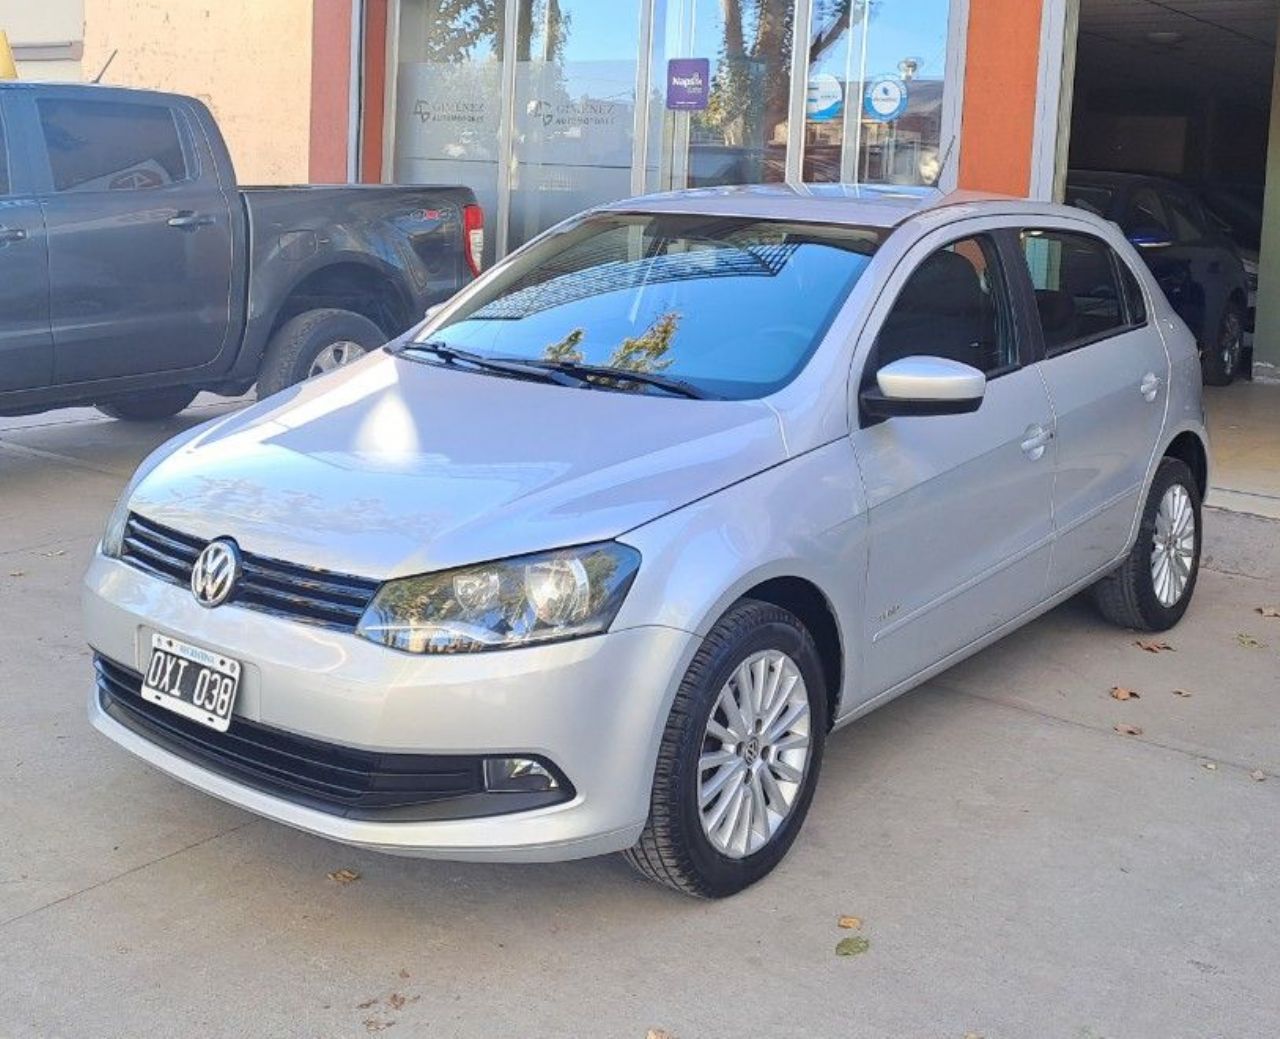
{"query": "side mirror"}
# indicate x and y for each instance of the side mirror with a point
(924, 386)
(1150, 238)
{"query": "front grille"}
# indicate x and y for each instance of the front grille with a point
(345, 781)
(284, 589)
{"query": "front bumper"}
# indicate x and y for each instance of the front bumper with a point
(595, 707)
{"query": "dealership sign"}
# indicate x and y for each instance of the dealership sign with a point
(688, 84)
(885, 99)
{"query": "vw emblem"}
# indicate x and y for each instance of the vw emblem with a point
(214, 576)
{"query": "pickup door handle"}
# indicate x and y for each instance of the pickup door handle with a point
(189, 221)
(12, 234)
(1149, 387)
(1035, 440)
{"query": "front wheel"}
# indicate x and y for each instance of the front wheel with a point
(739, 757)
(1153, 586)
(149, 406)
(313, 343)
(1221, 357)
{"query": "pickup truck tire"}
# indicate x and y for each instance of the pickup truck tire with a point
(150, 406)
(300, 341)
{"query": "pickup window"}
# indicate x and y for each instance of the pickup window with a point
(111, 145)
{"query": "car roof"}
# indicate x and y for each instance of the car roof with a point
(860, 205)
(1121, 179)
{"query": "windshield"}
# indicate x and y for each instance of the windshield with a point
(728, 305)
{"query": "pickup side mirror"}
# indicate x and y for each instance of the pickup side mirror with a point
(1150, 238)
(913, 386)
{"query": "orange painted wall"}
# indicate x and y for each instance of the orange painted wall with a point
(330, 84)
(375, 90)
(1000, 79)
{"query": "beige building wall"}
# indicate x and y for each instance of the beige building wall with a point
(248, 60)
(45, 36)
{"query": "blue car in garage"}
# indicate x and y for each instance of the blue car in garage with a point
(1191, 255)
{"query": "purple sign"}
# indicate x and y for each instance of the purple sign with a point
(688, 84)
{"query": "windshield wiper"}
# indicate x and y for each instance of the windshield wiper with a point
(452, 355)
(603, 371)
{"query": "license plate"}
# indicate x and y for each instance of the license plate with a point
(192, 682)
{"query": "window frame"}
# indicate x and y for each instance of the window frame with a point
(182, 129)
(1128, 324)
(1018, 328)
(6, 162)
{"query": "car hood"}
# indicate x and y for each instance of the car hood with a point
(395, 466)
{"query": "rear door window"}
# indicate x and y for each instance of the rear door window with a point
(111, 145)
(1186, 220)
(1077, 288)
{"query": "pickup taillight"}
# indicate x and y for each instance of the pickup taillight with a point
(473, 237)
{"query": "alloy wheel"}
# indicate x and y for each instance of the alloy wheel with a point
(335, 355)
(1173, 550)
(1232, 338)
(755, 753)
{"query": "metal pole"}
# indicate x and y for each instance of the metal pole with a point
(801, 36)
(507, 125)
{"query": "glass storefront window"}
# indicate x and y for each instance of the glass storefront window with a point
(547, 107)
(873, 108)
(574, 109)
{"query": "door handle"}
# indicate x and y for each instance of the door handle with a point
(188, 221)
(12, 234)
(1149, 387)
(1035, 440)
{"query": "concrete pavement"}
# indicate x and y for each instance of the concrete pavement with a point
(1021, 869)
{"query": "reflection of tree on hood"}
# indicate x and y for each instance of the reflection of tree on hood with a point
(751, 88)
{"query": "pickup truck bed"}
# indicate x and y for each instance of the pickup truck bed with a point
(134, 272)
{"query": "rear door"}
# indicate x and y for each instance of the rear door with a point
(959, 506)
(26, 346)
(140, 237)
(1107, 372)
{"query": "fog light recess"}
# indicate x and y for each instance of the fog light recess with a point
(518, 776)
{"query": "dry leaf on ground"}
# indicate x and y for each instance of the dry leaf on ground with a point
(1268, 611)
(55, 553)
(1127, 730)
(658, 1033)
(854, 945)
(367, 1003)
(1248, 641)
(344, 876)
(849, 923)
(17, 573)
(1119, 692)
(403, 973)
(1257, 775)
(372, 1024)
(1209, 766)
(1181, 692)
(1153, 647)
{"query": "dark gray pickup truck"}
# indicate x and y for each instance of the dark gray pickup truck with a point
(135, 273)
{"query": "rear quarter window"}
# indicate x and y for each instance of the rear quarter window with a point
(1077, 283)
(111, 145)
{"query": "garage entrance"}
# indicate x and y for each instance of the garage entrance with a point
(1170, 122)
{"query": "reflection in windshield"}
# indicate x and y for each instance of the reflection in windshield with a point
(731, 306)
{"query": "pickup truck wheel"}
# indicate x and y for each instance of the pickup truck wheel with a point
(313, 343)
(150, 406)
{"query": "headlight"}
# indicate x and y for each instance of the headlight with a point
(514, 602)
(113, 535)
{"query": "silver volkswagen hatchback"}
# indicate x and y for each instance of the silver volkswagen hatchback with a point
(597, 557)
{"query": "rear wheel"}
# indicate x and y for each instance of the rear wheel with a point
(149, 406)
(1221, 358)
(1153, 586)
(313, 343)
(739, 758)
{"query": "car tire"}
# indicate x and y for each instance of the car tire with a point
(1139, 594)
(706, 855)
(1220, 358)
(303, 344)
(150, 406)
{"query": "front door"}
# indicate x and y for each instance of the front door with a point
(26, 347)
(960, 522)
(1107, 373)
(140, 239)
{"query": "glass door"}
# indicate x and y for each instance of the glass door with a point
(719, 113)
(574, 117)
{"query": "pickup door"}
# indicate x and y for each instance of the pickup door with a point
(140, 237)
(26, 348)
